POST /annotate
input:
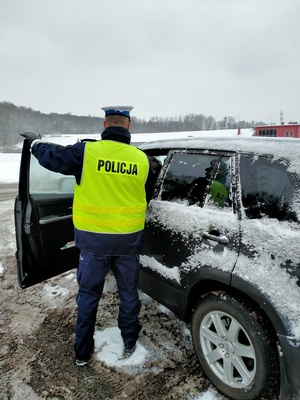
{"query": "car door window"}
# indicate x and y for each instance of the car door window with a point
(44, 181)
(268, 189)
(190, 222)
(196, 178)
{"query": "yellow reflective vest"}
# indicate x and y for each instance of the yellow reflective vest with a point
(218, 193)
(111, 196)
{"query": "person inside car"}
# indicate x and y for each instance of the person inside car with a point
(214, 187)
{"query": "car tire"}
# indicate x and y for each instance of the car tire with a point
(235, 348)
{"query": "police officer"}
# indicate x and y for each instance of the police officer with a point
(211, 185)
(114, 182)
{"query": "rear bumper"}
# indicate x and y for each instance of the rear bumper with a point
(289, 355)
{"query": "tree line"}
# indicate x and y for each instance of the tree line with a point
(15, 120)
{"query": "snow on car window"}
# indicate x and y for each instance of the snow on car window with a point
(268, 188)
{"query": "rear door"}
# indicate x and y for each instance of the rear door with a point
(43, 222)
(190, 234)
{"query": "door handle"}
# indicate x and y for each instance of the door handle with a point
(215, 237)
(49, 219)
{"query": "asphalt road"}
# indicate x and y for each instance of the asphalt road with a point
(8, 191)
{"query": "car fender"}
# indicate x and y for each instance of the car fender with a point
(252, 292)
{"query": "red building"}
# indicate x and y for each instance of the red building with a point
(289, 130)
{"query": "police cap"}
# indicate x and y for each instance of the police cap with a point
(118, 110)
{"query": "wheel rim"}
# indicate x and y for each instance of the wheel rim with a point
(227, 349)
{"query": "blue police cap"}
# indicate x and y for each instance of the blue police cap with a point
(118, 110)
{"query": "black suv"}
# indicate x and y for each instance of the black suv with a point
(221, 251)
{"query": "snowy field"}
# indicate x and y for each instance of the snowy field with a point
(9, 162)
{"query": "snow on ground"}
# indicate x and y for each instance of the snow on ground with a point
(109, 347)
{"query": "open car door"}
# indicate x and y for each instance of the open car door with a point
(43, 222)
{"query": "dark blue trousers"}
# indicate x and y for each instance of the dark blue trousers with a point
(91, 274)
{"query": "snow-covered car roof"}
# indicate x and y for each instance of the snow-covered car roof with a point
(278, 148)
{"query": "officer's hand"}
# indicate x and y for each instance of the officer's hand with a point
(30, 136)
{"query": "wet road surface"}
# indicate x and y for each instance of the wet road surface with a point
(8, 191)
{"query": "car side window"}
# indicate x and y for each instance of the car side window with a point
(43, 181)
(267, 188)
(196, 178)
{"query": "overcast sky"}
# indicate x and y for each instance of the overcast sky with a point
(238, 58)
